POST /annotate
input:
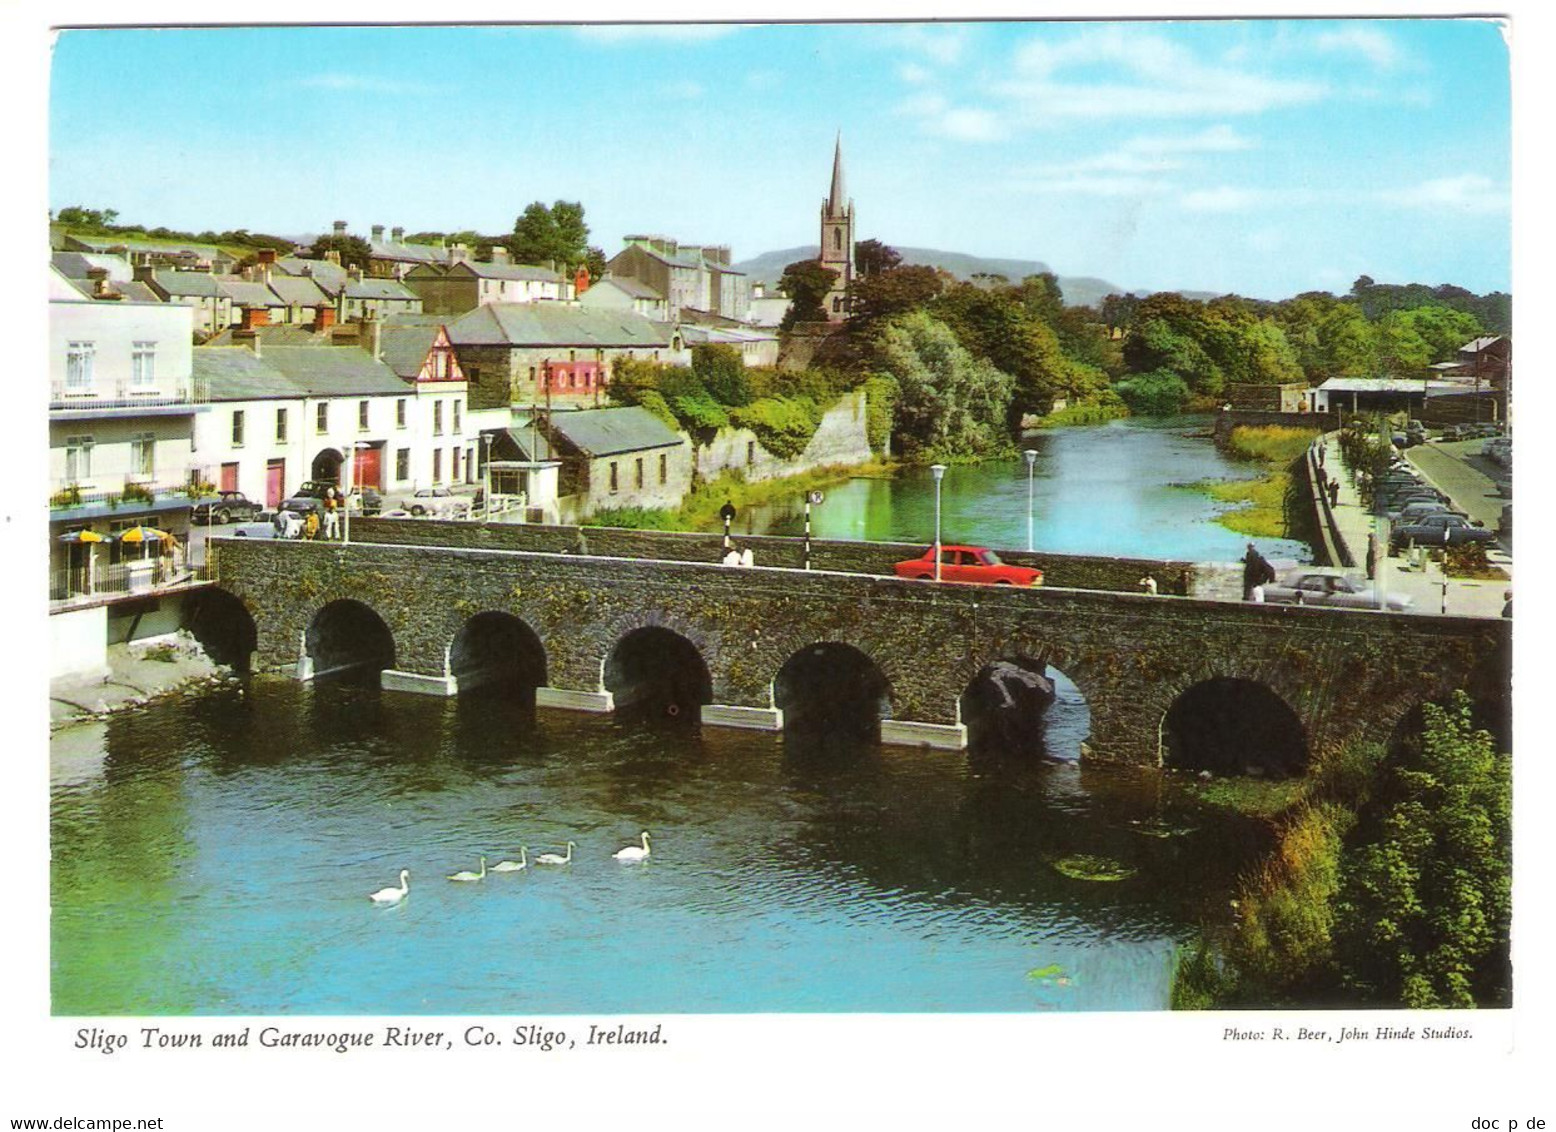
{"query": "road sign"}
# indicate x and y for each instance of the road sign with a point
(727, 512)
(815, 497)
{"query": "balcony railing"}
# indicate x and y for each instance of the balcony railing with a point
(122, 394)
(66, 503)
(77, 585)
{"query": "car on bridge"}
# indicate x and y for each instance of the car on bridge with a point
(968, 564)
(438, 502)
(227, 506)
(1443, 529)
(1309, 586)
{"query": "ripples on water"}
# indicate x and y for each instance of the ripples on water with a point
(218, 857)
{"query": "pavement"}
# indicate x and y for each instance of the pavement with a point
(137, 673)
(1456, 470)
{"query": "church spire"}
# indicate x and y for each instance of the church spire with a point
(837, 200)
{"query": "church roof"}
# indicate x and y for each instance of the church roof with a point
(837, 198)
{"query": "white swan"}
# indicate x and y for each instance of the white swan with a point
(466, 874)
(393, 895)
(512, 866)
(556, 858)
(632, 852)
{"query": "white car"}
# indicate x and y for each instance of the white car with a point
(438, 502)
(1310, 585)
(271, 524)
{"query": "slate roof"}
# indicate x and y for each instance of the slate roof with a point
(137, 292)
(332, 371)
(276, 334)
(522, 443)
(188, 284)
(410, 253)
(405, 344)
(379, 289)
(605, 432)
(632, 288)
(292, 289)
(1480, 344)
(330, 276)
(104, 243)
(549, 324)
(1384, 385)
(520, 271)
(75, 265)
(234, 373)
(247, 293)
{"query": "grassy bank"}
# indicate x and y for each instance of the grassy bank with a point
(1086, 413)
(1265, 506)
(700, 509)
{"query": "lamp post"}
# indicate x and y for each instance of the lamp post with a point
(1031, 455)
(938, 471)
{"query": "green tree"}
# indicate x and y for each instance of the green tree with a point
(1160, 393)
(871, 257)
(806, 283)
(950, 404)
(723, 373)
(79, 216)
(550, 235)
(893, 291)
(1424, 913)
(354, 250)
(1401, 349)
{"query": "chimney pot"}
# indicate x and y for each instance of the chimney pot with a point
(398, 234)
(323, 318)
(378, 233)
(340, 227)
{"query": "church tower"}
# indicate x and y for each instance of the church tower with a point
(837, 239)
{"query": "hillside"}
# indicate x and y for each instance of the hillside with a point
(1079, 290)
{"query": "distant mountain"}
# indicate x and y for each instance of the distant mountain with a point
(1079, 290)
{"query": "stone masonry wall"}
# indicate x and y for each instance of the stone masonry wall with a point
(841, 438)
(1342, 673)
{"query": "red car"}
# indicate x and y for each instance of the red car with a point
(968, 564)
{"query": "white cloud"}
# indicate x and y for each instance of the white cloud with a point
(763, 80)
(685, 90)
(1212, 139)
(1222, 198)
(939, 117)
(1468, 192)
(944, 45)
(1144, 156)
(1366, 40)
(664, 33)
(914, 73)
(1086, 184)
(1142, 75)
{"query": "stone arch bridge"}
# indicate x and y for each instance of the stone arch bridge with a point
(434, 618)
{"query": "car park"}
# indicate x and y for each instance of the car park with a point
(1407, 513)
(968, 564)
(1442, 529)
(1307, 585)
(228, 506)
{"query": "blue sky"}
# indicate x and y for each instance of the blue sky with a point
(1264, 157)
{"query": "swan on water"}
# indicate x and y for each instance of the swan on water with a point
(556, 858)
(512, 866)
(393, 895)
(632, 852)
(466, 874)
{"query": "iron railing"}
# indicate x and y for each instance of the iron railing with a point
(122, 394)
(77, 585)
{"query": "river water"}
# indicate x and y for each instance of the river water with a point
(213, 853)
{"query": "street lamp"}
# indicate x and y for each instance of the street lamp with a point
(1031, 455)
(938, 471)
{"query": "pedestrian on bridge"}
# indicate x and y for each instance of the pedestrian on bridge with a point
(1256, 572)
(1372, 554)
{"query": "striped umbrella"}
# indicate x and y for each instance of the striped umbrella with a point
(144, 534)
(81, 536)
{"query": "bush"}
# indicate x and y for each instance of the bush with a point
(783, 427)
(137, 492)
(881, 391)
(1160, 393)
(66, 496)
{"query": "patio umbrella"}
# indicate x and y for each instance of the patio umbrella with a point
(143, 534)
(81, 536)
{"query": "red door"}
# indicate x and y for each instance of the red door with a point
(367, 468)
(275, 483)
(229, 477)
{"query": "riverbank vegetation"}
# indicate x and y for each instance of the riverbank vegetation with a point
(1390, 884)
(1273, 504)
(699, 511)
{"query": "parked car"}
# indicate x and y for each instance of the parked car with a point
(968, 564)
(1416, 509)
(227, 506)
(1439, 530)
(309, 497)
(271, 524)
(1416, 431)
(366, 501)
(1309, 586)
(439, 502)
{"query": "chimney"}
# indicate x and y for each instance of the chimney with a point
(307, 271)
(397, 235)
(340, 227)
(580, 281)
(323, 318)
(458, 253)
(354, 272)
(499, 253)
(244, 336)
(266, 256)
(144, 273)
(378, 233)
(373, 331)
(255, 316)
(333, 256)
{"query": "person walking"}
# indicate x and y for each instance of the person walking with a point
(1148, 585)
(1256, 572)
(331, 514)
(1372, 554)
(311, 525)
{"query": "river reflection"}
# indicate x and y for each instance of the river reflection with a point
(1114, 489)
(221, 860)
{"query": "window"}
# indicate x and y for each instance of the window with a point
(615, 485)
(237, 428)
(361, 416)
(143, 454)
(437, 418)
(78, 458)
(750, 452)
(453, 464)
(143, 366)
(321, 417)
(399, 413)
(664, 468)
(637, 472)
(402, 464)
(78, 366)
(280, 426)
(456, 418)
(437, 465)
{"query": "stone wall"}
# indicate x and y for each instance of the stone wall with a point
(842, 438)
(1343, 673)
(1072, 571)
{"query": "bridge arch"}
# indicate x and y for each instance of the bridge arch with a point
(223, 625)
(498, 652)
(832, 688)
(347, 640)
(1229, 726)
(656, 669)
